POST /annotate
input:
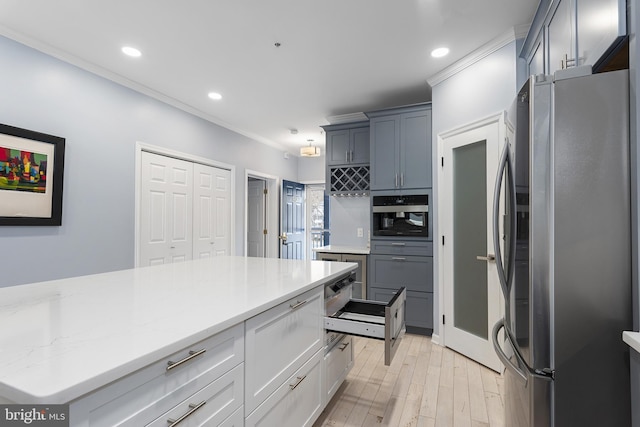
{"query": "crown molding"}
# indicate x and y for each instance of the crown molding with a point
(123, 81)
(477, 55)
(347, 118)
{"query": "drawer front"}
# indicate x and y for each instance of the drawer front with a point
(414, 273)
(279, 341)
(296, 403)
(337, 363)
(401, 247)
(373, 319)
(139, 398)
(235, 420)
(211, 405)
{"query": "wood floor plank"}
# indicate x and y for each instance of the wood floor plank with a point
(426, 386)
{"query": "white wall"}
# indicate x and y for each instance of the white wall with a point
(347, 214)
(311, 169)
(101, 122)
(482, 89)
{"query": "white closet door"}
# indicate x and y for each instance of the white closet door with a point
(222, 230)
(212, 211)
(166, 210)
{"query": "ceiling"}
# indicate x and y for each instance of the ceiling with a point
(279, 65)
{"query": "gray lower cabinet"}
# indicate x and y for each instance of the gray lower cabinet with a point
(399, 267)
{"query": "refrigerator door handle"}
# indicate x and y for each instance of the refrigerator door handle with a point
(503, 357)
(504, 160)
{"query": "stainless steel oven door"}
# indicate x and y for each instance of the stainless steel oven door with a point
(373, 319)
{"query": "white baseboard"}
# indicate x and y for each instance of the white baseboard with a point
(435, 338)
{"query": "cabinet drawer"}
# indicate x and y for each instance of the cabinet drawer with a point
(413, 272)
(296, 403)
(338, 362)
(373, 319)
(235, 420)
(209, 406)
(401, 247)
(279, 341)
(139, 398)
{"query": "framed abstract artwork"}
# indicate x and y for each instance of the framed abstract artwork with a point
(31, 177)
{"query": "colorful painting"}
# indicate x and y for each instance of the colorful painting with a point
(31, 177)
(22, 170)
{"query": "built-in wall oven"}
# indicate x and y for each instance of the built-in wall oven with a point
(395, 215)
(365, 318)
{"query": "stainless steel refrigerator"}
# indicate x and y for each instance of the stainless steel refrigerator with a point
(562, 221)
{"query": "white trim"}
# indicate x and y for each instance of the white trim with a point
(273, 219)
(435, 339)
(479, 54)
(117, 78)
(498, 118)
(142, 146)
(347, 118)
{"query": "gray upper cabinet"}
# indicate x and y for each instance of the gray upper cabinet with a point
(561, 37)
(573, 33)
(347, 144)
(401, 148)
(600, 24)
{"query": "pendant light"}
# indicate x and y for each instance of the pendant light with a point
(309, 151)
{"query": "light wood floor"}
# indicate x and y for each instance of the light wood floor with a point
(426, 385)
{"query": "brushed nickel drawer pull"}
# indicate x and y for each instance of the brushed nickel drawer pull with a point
(344, 345)
(297, 305)
(193, 409)
(397, 244)
(191, 355)
(397, 258)
(300, 379)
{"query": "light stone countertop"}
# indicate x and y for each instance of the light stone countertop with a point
(335, 249)
(62, 339)
(632, 339)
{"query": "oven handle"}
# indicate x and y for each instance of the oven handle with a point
(401, 208)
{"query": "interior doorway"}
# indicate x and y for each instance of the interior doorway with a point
(261, 215)
(470, 297)
(317, 218)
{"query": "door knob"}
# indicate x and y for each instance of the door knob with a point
(283, 237)
(488, 257)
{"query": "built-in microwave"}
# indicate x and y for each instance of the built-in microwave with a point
(406, 215)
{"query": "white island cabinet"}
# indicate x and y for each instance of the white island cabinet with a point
(187, 343)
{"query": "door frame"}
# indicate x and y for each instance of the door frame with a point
(143, 146)
(272, 249)
(444, 222)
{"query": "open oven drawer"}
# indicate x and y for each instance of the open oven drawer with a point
(372, 319)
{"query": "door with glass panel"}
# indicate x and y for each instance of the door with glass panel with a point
(471, 291)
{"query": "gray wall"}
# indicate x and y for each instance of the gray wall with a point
(101, 122)
(311, 169)
(485, 88)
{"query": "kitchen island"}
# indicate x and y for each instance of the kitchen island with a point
(69, 340)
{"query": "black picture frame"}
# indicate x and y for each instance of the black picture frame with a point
(30, 192)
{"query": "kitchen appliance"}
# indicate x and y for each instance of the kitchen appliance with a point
(369, 319)
(406, 215)
(565, 263)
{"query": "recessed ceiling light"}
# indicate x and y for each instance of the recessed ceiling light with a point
(440, 52)
(131, 51)
(215, 95)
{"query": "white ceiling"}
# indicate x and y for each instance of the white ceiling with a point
(335, 57)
